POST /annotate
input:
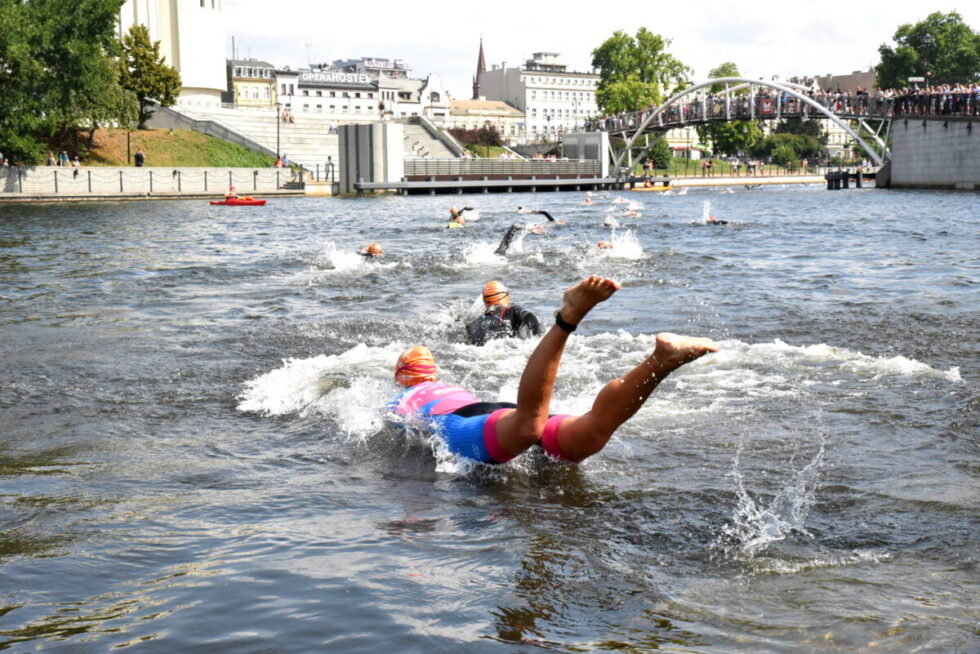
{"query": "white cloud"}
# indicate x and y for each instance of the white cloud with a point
(803, 37)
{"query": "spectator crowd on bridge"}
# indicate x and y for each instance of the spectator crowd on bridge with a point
(768, 103)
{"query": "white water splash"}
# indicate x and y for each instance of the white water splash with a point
(755, 523)
(333, 260)
(625, 245)
(705, 211)
(794, 358)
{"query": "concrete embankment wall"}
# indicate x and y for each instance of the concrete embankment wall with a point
(935, 152)
(56, 182)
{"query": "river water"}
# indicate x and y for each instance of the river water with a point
(194, 455)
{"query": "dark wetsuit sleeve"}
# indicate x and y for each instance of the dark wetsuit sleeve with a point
(524, 322)
(476, 334)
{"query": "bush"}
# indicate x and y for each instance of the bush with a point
(486, 135)
(784, 155)
(660, 154)
(800, 144)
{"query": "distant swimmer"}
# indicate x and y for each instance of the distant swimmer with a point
(753, 186)
(373, 251)
(542, 212)
(500, 318)
(604, 245)
(588, 197)
(711, 220)
(506, 240)
(610, 222)
(496, 432)
(468, 214)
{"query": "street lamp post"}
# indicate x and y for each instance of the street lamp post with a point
(278, 120)
(486, 135)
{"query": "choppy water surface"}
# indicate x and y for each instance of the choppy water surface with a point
(194, 456)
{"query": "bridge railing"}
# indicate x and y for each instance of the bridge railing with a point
(770, 106)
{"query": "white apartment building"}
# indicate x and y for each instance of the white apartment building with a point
(192, 40)
(554, 100)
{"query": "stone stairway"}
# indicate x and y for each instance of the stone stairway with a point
(308, 141)
(420, 144)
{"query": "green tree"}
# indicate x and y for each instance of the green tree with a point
(941, 48)
(635, 71)
(801, 145)
(808, 127)
(784, 155)
(660, 153)
(732, 136)
(145, 74)
(727, 69)
(56, 70)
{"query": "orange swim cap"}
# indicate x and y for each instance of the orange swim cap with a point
(374, 250)
(495, 293)
(415, 365)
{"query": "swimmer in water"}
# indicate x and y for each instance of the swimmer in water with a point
(542, 212)
(500, 318)
(714, 221)
(373, 251)
(505, 241)
(604, 245)
(455, 213)
(496, 432)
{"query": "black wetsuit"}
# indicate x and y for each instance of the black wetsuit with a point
(503, 322)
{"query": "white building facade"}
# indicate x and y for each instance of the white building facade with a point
(553, 99)
(192, 40)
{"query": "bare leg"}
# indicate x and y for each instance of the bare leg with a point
(582, 436)
(521, 429)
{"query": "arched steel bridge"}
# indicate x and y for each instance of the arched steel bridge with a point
(789, 101)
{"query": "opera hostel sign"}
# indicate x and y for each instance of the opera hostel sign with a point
(334, 76)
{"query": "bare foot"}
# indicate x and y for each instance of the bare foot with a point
(674, 350)
(579, 299)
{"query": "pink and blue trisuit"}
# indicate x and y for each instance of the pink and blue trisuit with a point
(467, 425)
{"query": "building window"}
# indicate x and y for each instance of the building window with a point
(319, 108)
(434, 97)
(333, 94)
(332, 108)
(318, 94)
(306, 107)
(306, 91)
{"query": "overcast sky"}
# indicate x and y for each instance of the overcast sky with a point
(802, 37)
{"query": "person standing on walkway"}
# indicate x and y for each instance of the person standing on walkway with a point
(139, 158)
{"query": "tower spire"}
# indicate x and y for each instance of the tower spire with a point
(481, 67)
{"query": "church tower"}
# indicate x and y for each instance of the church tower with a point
(481, 67)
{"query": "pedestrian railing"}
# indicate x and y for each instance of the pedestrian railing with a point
(54, 180)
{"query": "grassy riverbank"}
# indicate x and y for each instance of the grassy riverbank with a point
(164, 147)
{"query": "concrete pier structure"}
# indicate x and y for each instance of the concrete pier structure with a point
(941, 152)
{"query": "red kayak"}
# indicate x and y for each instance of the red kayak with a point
(240, 202)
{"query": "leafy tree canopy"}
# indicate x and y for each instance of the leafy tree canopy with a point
(660, 153)
(807, 127)
(636, 71)
(57, 71)
(144, 73)
(727, 69)
(941, 48)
